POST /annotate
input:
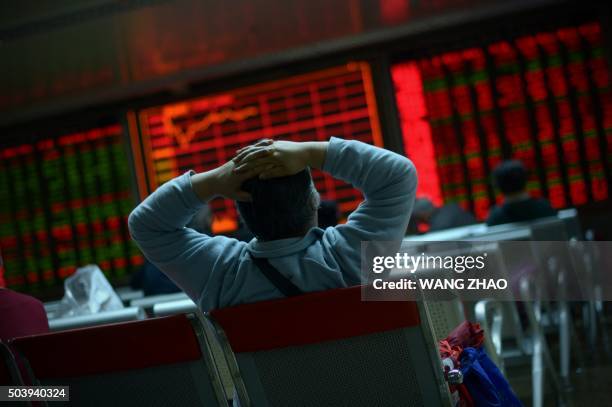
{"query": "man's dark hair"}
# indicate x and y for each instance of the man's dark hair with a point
(281, 207)
(327, 214)
(510, 177)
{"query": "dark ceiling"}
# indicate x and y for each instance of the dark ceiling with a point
(52, 54)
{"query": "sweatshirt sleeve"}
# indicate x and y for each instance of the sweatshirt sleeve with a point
(388, 182)
(194, 261)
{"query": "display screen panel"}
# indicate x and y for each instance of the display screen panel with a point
(201, 134)
(65, 202)
(544, 99)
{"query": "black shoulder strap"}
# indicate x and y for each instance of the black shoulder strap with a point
(279, 281)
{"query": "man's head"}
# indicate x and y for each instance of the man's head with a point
(281, 207)
(510, 177)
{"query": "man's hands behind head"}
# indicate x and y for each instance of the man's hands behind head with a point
(222, 181)
(272, 159)
(265, 159)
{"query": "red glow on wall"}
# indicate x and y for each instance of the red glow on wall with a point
(416, 131)
(394, 11)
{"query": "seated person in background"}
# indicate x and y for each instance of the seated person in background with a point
(277, 199)
(21, 315)
(426, 216)
(511, 178)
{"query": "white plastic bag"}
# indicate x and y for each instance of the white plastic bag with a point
(88, 292)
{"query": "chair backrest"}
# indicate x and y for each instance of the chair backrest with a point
(332, 348)
(444, 307)
(160, 361)
(445, 316)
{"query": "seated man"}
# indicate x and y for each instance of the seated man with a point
(511, 178)
(278, 201)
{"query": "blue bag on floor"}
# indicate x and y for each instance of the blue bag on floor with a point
(485, 383)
